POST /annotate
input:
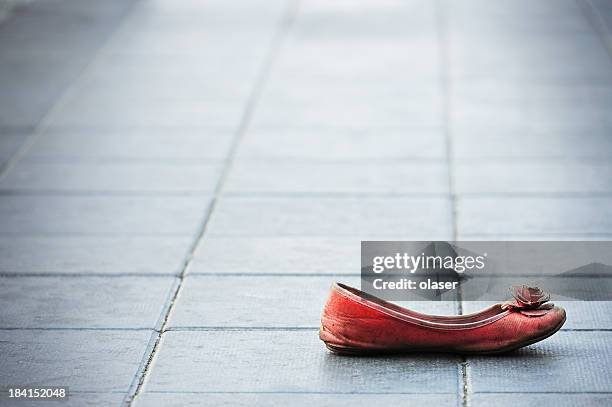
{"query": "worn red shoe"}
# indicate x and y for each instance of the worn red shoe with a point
(354, 323)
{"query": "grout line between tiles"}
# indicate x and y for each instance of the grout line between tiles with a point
(291, 392)
(76, 329)
(283, 26)
(316, 327)
(220, 328)
(241, 328)
(166, 275)
(442, 27)
(598, 23)
(8, 274)
(170, 193)
(105, 192)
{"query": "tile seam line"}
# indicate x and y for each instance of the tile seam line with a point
(189, 192)
(543, 392)
(445, 78)
(97, 275)
(441, 22)
(441, 10)
(241, 329)
(100, 329)
(218, 328)
(223, 329)
(283, 26)
(595, 19)
(308, 328)
(297, 392)
(58, 275)
(106, 193)
(64, 97)
(195, 193)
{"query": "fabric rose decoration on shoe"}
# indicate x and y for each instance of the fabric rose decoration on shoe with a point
(530, 301)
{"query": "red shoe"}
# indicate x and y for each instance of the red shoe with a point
(354, 322)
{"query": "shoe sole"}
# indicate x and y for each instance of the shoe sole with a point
(353, 351)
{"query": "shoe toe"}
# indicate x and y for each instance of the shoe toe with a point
(552, 321)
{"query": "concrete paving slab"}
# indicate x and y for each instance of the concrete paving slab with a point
(160, 28)
(339, 144)
(210, 301)
(532, 94)
(311, 57)
(159, 9)
(343, 56)
(31, 96)
(530, 142)
(85, 110)
(36, 32)
(534, 216)
(305, 105)
(132, 144)
(294, 399)
(92, 255)
(280, 177)
(289, 255)
(149, 67)
(288, 361)
(84, 302)
(603, 10)
(568, 362)
(130, 85)
(341, 61)
(558, 399)
(555, 61)
(587, 315)
(478, 15)
(74, 399)
(364, 218)
(28, 175)
(538, 237)
(548, 115)
(61, 27)
(10, 144)
(132, 48)
(389, 19)
(93, 361)
(163, 21)
(536, 176)
(90, 215)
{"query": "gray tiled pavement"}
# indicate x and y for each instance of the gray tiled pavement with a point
(302, 297)
(86, 302)
(282, 399)
(111, 177)
(149, 145)
(261, 363)
(181, 181)
(331, 216)
(90, 255)
(90, 214)
(332, 178)
(98, 361)
(569, 362)
(277, 255)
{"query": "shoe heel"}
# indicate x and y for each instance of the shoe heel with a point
(346, 350)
